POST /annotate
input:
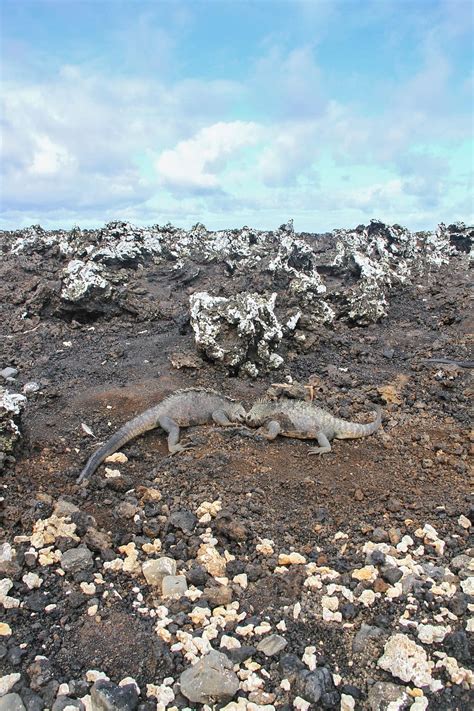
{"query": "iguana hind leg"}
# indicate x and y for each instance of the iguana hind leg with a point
(325, 445)
(170, 426)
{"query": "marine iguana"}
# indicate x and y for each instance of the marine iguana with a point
(303, 420)
(183, 408)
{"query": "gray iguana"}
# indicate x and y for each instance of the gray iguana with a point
(183, 408)
(303, 420)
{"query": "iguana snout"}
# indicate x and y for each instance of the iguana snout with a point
(239, 414)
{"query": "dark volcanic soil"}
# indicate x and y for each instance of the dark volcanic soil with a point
(102, 371)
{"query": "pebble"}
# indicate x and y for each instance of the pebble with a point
(318, 686)
(5, 629)
(211, 678)
(174, 586)
(184, 520)
(156, 569)
(9, 373)
(391, 574)
(384, 695)
(63, 702)
(40, 673)
(11, 702)
(7, 682)
(106, 696)
(75, 560)
(271, 645)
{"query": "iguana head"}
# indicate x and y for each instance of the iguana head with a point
(259, 413)
(238, 412)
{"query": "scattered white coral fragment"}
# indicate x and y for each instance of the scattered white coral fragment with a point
(458, 674)
(429, 634)
(406, 660)
(47, 530)
(32, 580)
(265, 547)
(291, 559)
(8, 602)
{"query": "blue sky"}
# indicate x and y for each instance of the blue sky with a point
(232, 113)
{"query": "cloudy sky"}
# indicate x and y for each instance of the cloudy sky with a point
(242, 112)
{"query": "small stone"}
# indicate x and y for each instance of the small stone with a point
(230, 527)
(464, 522)
(291, 559)
(126, 510)
(184, 520)
(318, 686)
(359, 495)
(174, 585)
(156, 569)
(40, 673)
(7, 682)
(210, 679)
(391, 574)
(384, 695)
(347, 703)
(5, 629)
(106, 696)
(394, 505)
(218, 595)
(380, 586)
(379, 535)
(11, 702)
(368, 572)
(238, 655)
(271, 645)
(394, 535)
(8, 373)
(64, 702)
(76, 560)
(97, 540)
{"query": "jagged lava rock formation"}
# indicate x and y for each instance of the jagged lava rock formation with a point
(248, 295)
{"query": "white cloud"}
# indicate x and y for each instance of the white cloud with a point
(193, 163)
(49, 158)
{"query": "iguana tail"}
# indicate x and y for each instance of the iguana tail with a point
(148, 420)
(353, 430)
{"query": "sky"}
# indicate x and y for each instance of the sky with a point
(232, 113)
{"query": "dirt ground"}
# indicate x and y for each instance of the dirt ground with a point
(101, 372)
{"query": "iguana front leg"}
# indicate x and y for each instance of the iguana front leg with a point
(270, 430)
(170, 426)
(220, 418)
(325, 445)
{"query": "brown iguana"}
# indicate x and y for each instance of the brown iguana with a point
(183, 408)
(303, 420)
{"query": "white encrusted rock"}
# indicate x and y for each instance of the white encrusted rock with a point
(241, 332)
(406, 660)
(81, 279)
